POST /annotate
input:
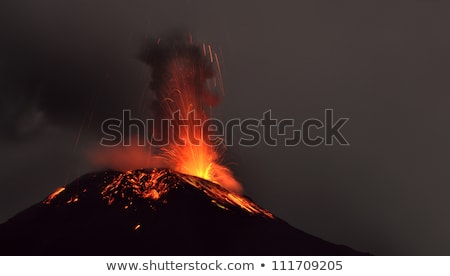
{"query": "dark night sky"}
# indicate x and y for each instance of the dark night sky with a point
(67, 65)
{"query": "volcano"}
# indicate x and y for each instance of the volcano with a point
(153, 212)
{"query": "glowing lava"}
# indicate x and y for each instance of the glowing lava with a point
(53, 195)
(133, 190)
(154, 185)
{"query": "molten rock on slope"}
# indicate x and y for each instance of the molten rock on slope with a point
(153, 212)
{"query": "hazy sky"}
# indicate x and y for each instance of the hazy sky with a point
(67, 65)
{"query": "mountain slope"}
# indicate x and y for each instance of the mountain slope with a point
(153, 212)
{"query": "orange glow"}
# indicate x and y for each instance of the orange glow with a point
(188, 91)
(53, 195)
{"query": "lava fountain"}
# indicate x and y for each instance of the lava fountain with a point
(187, 84)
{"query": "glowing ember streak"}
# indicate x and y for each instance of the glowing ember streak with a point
(223, 198)
(137, 227)
(53, 195)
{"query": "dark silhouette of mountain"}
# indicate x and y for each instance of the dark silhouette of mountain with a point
(153, 212)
